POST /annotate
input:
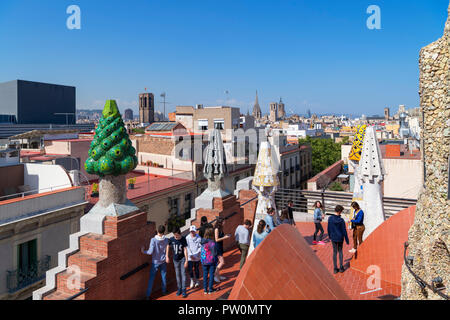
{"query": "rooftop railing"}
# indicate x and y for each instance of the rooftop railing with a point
(304, 200)
(22, 278)
(40, 203)
(34, 191)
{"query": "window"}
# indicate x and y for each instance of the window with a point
(173, 206)
(187, 205)
(203, 124)
(27, 255)
(236, 179)
(219, 124)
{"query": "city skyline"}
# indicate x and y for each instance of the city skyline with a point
(318, 56)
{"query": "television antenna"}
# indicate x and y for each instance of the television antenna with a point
(164, 102)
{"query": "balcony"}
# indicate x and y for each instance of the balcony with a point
(27, 206)
(286, 173)
(20, 278)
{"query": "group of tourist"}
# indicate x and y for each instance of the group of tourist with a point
(337, 230)
(200, 247)
(205, 246)
(271, 221)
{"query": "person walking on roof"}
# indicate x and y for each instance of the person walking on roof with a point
(194, 247)
(260, 233)
(208, 258)
(318, 217)
(242, 237)
(180, 260)
(157, 249)
(357, 226)
(337, 232)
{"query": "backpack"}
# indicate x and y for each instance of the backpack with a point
(207, 253)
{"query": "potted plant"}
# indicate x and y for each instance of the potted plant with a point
(175, 221)
(94, 190)
(131, 183)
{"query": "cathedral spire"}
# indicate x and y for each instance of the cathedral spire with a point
(256, 108)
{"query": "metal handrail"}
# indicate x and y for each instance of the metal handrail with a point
(303, 198)
(78, 294)
(135, 270)
(419, 280)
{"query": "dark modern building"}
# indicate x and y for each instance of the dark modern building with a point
(28, 102)
(128, 114)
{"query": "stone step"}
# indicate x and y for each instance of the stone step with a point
(95, 244)
(88, 263)
(64, 279)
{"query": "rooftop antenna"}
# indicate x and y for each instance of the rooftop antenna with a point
(163, 95)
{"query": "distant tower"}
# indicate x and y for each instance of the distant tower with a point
(308, 113)
(281, 112)
(256, 108)
(128, 114)
(146, 108)
(386, 113)
(404, 128)
(273, 112)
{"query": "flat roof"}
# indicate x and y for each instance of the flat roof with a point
(152, 184)
(404, 154)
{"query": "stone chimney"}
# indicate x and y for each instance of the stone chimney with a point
(429, 237)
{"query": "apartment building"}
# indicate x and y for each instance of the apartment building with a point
(39, 208)
(294, 161)
(200, 119)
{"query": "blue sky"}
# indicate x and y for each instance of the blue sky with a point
(315, 54)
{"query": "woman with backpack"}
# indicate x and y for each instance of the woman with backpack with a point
(208, 259)
(318, 217)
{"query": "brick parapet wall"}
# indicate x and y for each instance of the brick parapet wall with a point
(104, 259)
(249, 209)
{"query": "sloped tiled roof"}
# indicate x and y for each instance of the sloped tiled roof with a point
(283, 267)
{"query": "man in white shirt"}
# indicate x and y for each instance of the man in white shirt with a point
(194, 247)
(242, 236)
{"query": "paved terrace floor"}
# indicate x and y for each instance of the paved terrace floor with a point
(352, 281)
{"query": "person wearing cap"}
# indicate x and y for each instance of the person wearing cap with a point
(194, 247)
